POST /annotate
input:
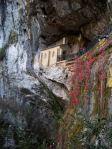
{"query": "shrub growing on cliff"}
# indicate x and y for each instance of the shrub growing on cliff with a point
(89, 98)
(2, 53)
(13, 38)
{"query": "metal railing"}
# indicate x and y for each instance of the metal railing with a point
(66, 57)
(71, 56)
(100, 46)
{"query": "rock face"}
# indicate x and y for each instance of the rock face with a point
(24, 92)
(91, 100)
(28, 95)
(61, 17)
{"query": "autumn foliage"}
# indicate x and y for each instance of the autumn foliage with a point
(82, 72)
(89, 94)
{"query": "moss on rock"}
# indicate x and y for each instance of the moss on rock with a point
(2, 53)
(13, 38)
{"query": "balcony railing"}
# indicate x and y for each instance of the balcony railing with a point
(70, 56)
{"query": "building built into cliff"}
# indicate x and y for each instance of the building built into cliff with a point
(61, 51)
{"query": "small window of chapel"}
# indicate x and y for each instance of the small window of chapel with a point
(45, 55)
(53, 54)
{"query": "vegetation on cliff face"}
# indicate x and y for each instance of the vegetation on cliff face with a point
(2, 53)
(13, 38)
(87, 118)
(33, 130)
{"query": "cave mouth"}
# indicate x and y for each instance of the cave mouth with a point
(75, 34)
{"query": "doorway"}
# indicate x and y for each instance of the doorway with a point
(49, 56)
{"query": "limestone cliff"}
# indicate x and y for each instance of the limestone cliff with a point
(32, 99)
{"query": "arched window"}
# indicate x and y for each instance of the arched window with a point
(45, 55)
(41, 57)
(53, 53)
(59, 52)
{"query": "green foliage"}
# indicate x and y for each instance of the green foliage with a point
(28, 140)
(13, 38)
(3, 131)
(91, 132)
(95, 134)
(24, 138)
(2, 53)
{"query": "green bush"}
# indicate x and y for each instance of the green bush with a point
(2, 53)
(13, 38)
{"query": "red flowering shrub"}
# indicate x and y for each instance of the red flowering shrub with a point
(89, 93)
(82, 72)
(80, 77)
